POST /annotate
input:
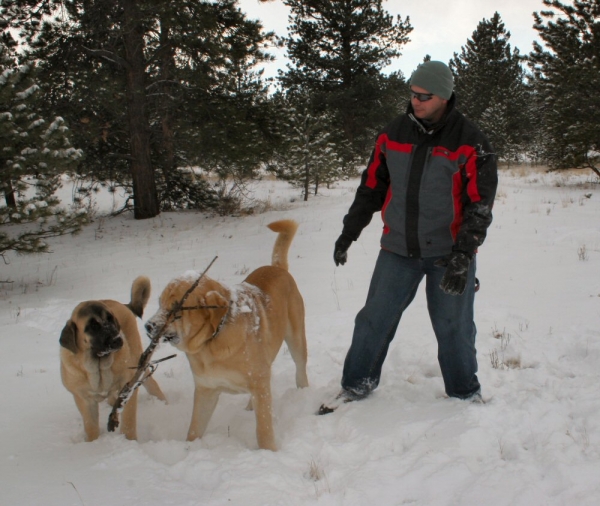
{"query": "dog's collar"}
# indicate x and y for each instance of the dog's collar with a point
(221, 323)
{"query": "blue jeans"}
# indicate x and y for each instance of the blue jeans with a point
(393, 287)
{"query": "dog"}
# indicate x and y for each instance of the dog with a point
(231, 336)
(100, 350)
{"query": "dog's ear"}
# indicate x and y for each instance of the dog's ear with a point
(68, 336)
(216, 314)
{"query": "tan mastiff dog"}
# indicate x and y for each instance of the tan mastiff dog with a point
(100, 349)
(231, 335)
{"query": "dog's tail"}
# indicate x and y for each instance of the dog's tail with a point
(286, 230)
(140, 293)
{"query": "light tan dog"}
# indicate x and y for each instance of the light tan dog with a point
(231, 336)
(100, 349)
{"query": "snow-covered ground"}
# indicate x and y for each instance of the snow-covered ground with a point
(536, 441)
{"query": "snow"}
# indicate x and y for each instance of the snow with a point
(535, 442)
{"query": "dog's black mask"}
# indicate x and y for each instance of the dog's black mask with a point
(104, 330)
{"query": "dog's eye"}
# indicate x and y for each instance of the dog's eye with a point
(93, 324)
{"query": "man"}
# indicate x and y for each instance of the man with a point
(433, 176)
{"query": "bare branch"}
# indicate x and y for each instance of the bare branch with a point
(108, 56)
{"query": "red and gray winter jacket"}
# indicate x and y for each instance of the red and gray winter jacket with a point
(435, 188)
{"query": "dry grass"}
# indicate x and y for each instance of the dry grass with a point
(317, 475)
(498, 357)
(561, 178)
(315, 472)
(499, 361)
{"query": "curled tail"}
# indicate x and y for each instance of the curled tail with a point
(286, 230)
(140, 293)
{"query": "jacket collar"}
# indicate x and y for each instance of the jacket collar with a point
(431, 128)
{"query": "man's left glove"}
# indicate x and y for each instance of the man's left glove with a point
(457, 267)
(340, 253)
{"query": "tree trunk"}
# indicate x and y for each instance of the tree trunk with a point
(306, 179)
(142, 173)
(9, 194)
(167, 71)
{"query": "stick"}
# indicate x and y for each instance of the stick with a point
(142, 373)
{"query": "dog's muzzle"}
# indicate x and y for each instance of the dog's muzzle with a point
(150, 327)
(167, 336)
(114, 344)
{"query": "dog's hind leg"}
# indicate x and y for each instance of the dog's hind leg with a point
(152, 388)
(205, 402)
(296, 343)
(297, 348)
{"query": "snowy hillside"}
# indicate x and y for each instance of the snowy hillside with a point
(536, 441)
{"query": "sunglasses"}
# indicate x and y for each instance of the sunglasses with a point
(421, 97)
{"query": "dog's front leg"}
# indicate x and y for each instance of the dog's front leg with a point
(129, 423)
(205, 402)
(89, 413)
(261, 400)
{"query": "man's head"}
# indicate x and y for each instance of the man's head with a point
(431, 86)
(435, 77)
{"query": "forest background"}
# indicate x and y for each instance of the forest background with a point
(167, 102)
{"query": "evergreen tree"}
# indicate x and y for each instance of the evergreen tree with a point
(183, 95)
(307, 158)
(539, 143)
(395, 94)
(214, 110)
(491, 89)
(35, 152)
(567, 79)
(338, 50)
(100, 34)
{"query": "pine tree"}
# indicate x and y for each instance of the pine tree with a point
(80, 39)
(338, 50)
(190, 97)
(307, 158)
(217, 103)
(567, 79)
(491, 89)
(35, 152)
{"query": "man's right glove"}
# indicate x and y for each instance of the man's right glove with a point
(340, 253)
(454, 281)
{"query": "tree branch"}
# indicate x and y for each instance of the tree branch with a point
(108, 56)
(145, 368)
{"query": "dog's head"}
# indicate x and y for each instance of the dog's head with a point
(199, 319)
(92, 327)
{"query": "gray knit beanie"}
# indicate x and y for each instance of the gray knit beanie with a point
(435, 77)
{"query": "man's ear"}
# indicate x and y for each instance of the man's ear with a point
(68, 336)
(216, 314)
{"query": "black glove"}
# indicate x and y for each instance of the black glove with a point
(340, 253)
(455, 277)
